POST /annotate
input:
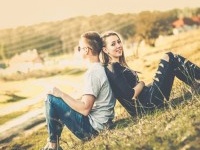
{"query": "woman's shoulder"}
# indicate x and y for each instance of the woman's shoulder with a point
(114, 68)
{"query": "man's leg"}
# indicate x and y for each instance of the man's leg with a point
(58, 112)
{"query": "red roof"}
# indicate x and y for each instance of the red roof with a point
(196, 19)
(186, 21)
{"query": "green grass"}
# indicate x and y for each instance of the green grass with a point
(42, 73)
(5, 118)
(172, 128)
(176, 127)
(13, 115)
(12, 98)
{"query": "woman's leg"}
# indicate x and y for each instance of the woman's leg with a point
(58, 113)
(170, 66)
(185, 70)
(163, 81)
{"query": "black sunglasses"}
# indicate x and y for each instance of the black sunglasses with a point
(79, 48)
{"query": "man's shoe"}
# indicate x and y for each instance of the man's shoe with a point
(47, 148)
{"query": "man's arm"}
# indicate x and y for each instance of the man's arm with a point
(82, 106)
(138, 88)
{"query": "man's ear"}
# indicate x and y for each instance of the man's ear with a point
(86, 51)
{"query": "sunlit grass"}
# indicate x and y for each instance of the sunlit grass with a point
(175, 127)
(12, 98)
(42, 74)
(15, 114)
(167, 129)
(5, 118)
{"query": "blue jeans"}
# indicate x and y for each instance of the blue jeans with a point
(59, 113)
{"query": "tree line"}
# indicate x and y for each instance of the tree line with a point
(56, 38)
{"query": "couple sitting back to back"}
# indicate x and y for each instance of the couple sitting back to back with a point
(87, 117)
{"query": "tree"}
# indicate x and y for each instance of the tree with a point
(2, 53)
(197, 12)
(145, 26)
(149, 25)
(128, 31)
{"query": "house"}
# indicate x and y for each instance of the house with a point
(26, 61)
(185, 24)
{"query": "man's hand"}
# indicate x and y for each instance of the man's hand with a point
(55, 92)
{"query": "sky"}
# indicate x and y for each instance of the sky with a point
(15, 13)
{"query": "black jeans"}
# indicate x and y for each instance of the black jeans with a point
(154, 95)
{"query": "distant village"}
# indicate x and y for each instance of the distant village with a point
(31, 60)
(185, 24)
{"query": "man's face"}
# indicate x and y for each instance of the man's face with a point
(83, 47)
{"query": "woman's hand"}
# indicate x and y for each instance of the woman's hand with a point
(138, 88)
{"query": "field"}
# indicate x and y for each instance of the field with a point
(175, 127)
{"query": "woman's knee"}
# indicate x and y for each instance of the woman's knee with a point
(165, 57)
(168, 56)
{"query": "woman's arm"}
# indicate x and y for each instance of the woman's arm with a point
(138, 88)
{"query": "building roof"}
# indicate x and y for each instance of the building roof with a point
(186, 21)
(28, 56)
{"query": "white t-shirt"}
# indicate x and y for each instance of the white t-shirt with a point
(97, 84)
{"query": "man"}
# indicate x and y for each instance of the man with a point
(90, 115)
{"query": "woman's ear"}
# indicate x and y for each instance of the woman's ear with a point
(105, 50)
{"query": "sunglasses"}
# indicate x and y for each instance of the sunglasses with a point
(79, 48)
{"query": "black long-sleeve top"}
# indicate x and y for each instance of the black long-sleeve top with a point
(122, 81)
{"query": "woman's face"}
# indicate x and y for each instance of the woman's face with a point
(114, 47)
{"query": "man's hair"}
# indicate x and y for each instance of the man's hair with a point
(94, 40)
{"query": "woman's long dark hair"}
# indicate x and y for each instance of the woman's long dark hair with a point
(105, 57)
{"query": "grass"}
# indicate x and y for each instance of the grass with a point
(12, 98)
(5, 118)
(176, 127)
(13, 115)
(171, 128)
(41, 74)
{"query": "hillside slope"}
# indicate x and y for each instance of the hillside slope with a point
(174, 127)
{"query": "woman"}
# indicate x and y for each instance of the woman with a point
(132, 93)
(93, 113)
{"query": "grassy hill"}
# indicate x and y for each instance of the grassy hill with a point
(175, 127)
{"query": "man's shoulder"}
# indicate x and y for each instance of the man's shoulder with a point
(97, 69)
(97, 72)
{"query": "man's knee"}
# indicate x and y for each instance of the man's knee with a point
(49, 97)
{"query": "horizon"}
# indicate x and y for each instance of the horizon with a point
(32, 12)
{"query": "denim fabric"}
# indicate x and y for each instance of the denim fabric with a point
(160, 89)
(158, 92)
(162, 85)
(59, 113)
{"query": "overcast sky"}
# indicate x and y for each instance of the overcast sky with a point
(15, 13)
